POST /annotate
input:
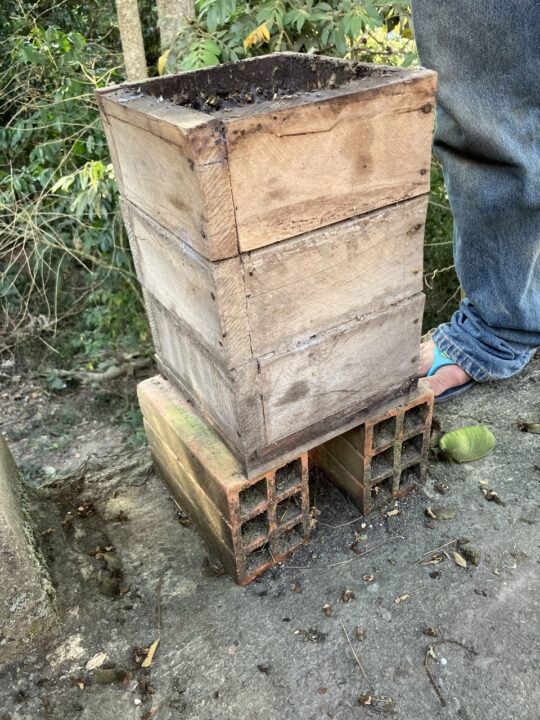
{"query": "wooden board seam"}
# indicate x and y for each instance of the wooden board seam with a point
(336, 330)
(247, 254)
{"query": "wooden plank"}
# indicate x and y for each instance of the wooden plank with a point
(340, 476)
(232, 308)
(207, 382)
(230, 400)
(126, 216)
(319, 280)
(181, 279)
(209, 298)
(193, 202)
(307, 166)
(340, 368)
(194, 443)
(348, 456)
(199, 136)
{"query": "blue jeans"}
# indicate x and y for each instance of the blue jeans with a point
(487, 138)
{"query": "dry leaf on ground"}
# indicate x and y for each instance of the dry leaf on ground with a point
(96, 661)
(151, 651)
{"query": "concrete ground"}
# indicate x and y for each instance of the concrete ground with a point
(269, 651)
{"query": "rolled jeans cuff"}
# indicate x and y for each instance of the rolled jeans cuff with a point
(459, 356)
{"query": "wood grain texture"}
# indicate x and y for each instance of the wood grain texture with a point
(125, 208)
(199, 136)
(341, 368)
(193, 202)
(194, 443)
(201, 378)
(328, 427)
(208, 297)
(181, 279)
(321, 279)
(229, 400)
(307, 166)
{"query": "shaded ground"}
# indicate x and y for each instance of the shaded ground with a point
(235, 653)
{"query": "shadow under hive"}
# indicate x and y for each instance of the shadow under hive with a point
(249, 525)
(384, 458)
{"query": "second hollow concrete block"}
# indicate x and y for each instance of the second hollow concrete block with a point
(383, 458)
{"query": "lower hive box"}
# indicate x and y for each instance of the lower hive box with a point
(286, 346)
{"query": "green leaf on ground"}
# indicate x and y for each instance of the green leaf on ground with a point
(468, 443)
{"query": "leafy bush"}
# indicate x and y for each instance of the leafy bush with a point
(63, 247)
(224, 30)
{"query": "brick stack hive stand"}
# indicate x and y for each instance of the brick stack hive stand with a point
(275, 209)
(383, 458)
(249, 525)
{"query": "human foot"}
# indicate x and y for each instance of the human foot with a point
(446, 377)
(427, 355)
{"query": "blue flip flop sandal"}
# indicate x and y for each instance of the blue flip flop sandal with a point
(439, 361)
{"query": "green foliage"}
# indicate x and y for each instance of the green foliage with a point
(224, 30)
(63, 250)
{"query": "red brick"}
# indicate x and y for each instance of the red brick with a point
(250, 525)
(383, 458)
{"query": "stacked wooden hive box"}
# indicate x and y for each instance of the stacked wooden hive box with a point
(275, 209)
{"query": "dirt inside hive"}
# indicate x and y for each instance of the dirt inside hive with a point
(264, 79)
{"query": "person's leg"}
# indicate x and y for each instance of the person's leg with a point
(488, 140)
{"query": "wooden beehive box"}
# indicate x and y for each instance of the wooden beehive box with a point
(275, 209)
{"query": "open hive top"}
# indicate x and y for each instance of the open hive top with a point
(267, 79)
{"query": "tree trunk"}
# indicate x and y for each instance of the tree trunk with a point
(171, 13)
(129, 24)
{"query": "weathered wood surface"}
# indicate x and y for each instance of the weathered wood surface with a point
(199, 136)
(192, 201)
(293, 165)
(340, 369)
(204, 380)
(308, 166)
(209, 298)
(304, 286)
(269, 409)
(292, 291)
(194, 444)
(279, 244)
(229, 400)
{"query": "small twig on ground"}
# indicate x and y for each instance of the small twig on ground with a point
(111, 374)
(77, 474)
(159, 595)
(344, 562)
(430, 552)
(336, 527)
(426, 665)
(353, 652)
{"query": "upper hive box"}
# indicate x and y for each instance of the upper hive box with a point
(242, 155)
(275, 209)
